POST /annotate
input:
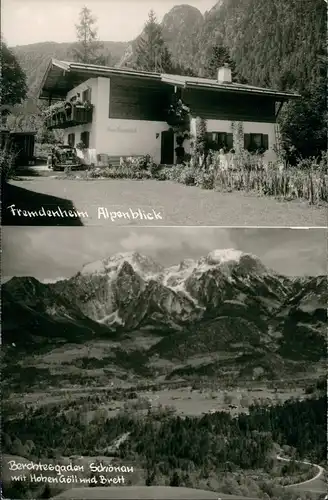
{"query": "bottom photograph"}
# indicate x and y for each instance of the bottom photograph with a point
(156, 363)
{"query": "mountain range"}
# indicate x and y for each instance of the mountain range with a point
(225, 313)
(274, 43)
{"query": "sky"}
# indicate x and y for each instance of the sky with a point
(31, 21)
(48, 253)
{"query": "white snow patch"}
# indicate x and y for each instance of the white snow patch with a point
(96, 267)
(225, 255)
(111, 319)
(53, 280)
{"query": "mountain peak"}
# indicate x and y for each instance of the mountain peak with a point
(219, 256)
(140, 263)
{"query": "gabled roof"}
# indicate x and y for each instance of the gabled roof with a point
(62, 76)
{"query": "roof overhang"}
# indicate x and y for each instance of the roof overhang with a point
(230, 88)
(61, 77)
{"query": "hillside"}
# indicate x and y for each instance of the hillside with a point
(273, 43)
(34, 58)
(225, 314)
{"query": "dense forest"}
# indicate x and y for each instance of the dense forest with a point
(160, 443)
(217, 438)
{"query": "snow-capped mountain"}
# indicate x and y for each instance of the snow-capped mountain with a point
(220, 302)
(131, 290)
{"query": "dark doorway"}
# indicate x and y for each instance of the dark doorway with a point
(167, 147)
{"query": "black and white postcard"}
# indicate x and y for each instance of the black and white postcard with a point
(164, 176)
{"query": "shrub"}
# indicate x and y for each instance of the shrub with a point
(144, 162)
(187, 174)
(205, 180)
(120, 172)
(313, 163)
(7, 162)
(164, 174)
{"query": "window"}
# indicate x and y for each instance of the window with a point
(220, 140)
(256, 142)
(71, 140)
(86, 95)
(85, 138)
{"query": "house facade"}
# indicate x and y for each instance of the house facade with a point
(128, 110)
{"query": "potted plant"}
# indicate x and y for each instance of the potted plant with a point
(80, 146)
(87, 105)
(68, 109)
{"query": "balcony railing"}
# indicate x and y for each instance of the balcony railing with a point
(69, 115)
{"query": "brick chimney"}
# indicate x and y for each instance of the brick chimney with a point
(224, 74)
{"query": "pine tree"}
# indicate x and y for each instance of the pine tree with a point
(175, 479)
(218, 56)
(88, 48)
(151, 52)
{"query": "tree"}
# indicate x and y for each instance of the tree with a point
(88, 48)
(200, 143)
(218, 56)
(304, 122)
(13, 78)
(175, 479)
(151, 53)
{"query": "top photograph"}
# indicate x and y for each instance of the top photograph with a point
(153, 113)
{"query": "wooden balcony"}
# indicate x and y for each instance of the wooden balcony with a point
(70, 116)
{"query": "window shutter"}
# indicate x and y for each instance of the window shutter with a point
(265, 141)
(247, 141)
(86, 139)
(229, 141)
(71, 140)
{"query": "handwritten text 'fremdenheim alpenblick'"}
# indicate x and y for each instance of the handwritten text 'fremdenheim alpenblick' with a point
(102, 213)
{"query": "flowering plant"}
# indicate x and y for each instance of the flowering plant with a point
(58, 106)
(178, 114)
(64, 105)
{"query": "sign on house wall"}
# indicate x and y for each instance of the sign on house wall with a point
(125, 130)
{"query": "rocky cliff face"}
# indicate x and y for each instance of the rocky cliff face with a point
(131, 290)
(271, 43)
(226, 303)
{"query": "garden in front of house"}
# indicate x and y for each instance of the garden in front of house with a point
(224, 167)
(307, 181)
(209, 188)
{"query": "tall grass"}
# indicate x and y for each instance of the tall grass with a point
(306, 181)
(289, 184)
